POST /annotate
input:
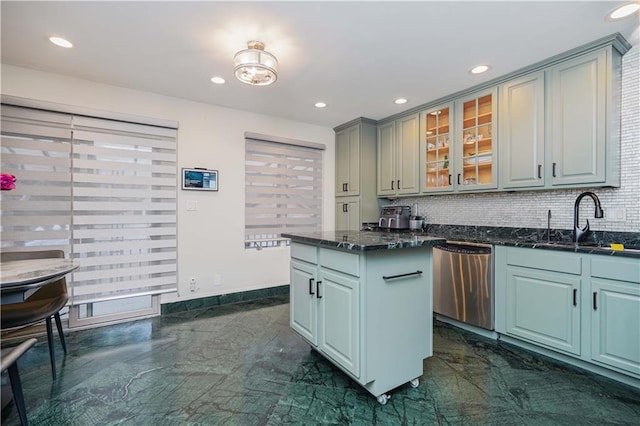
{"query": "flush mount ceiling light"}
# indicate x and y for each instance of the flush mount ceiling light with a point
(320, 105)
(59, 41)
(400, 101)
(623, 11)
(217, 80)
(479, 69)
(255, 66)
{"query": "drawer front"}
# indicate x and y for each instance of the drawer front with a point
(348, 263)
(557, 261)
(616, 269)
(304, 252)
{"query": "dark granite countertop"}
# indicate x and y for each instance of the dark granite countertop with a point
(558, 240)
(598, 242)
(366, 240)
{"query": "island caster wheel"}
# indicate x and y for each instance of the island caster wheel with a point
(414, 383)
(382, 399)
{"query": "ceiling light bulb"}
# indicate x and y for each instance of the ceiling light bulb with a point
(59, 41)
(320, 105)
(218, 80)
(400, 101)
(623, 11)
(479, 69)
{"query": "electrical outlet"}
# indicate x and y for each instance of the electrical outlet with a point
(192, 284)
(618, 214)
(217, 280)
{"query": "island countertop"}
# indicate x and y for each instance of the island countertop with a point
(366, 240)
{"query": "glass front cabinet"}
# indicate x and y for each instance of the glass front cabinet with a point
(435, 143)
(475, 142)
(458, 145)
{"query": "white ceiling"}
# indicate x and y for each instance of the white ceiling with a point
(355, 56)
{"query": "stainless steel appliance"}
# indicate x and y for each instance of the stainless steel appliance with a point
(394, 217)
(463, 286)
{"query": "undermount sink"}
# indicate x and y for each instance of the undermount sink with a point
(572, 245)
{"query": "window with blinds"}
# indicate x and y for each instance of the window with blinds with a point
(283, 191)
(104, 191)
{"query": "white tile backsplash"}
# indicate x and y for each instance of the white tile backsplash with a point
(529, 208)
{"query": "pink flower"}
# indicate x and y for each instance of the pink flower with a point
(7, 182)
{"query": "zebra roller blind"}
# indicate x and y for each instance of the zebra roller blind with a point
(283, 191)
(121, 185)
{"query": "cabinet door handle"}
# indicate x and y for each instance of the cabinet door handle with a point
(409, 274)
(392, 185)
(458, 178)
(553, 170)
(311, 280)
(344, 187)
(449, 179)
(575, 297)
(595, 300)
(539, 171)
(318, 289)
(398, 183)
(345, 208)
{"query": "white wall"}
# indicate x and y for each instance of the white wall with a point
(211, 239)
(528, 209)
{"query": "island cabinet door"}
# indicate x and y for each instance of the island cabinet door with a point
(303, 303)
(338, 319)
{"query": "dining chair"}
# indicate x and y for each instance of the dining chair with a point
(44, 304)
(9, 362)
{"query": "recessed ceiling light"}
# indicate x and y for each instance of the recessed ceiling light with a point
(479, 69)
(623, 11)
(59, 41)
(218, 80)
(400, 101)
(320, 105)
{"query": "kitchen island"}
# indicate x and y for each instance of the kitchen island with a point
(364, 301)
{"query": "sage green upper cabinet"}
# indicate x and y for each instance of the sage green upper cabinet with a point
(521, 108)
(398, 157)
(579, 92)
(355, 174)
(348, 161)
(436, 134)
(386, 159)
(475, 142)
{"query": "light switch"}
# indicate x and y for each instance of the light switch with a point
(192, 206)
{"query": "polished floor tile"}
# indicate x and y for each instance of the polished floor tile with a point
(242, 365)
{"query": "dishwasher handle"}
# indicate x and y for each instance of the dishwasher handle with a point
(463, 248)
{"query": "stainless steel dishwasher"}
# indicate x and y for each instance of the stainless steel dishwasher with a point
(463, 283)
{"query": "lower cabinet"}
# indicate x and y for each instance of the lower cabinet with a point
(339, 319)
(302, 315)
(583, 305)
(615, 313)
(542, 307)
(369, 313)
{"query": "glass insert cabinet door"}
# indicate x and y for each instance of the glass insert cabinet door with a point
(437, 156)
(476, 142)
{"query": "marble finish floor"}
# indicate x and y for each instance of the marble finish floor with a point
(242, 365)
